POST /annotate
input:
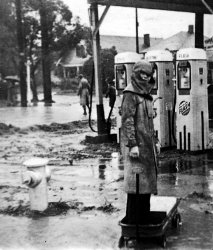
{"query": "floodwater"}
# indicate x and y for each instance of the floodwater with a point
(65, 109)
(93, 188)
(94, 183)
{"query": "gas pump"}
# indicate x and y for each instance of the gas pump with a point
(124, 63)
(163, 95)
(192, 100)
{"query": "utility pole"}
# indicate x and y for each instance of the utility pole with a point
(20, 38)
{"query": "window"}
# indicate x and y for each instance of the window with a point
(184, 75)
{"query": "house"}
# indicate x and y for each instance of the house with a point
(183, 39)
(127, 43)
(74, 60)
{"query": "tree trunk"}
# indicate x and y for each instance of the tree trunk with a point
(45, 53)
(33, 82)
(22, 68)
(34, 90)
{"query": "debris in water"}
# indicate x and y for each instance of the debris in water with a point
(107, 208)
(102, 166)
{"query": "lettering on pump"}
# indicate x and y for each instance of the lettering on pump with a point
(184, 108)
(183, 56)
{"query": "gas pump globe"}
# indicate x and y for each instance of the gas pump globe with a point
(124, 63)
(163, 95)
(192, 100)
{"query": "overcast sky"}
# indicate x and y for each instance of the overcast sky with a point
(121, 21)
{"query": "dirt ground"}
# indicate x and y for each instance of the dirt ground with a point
(85, 190)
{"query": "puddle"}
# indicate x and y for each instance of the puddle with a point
(90, 194)
(190, 166)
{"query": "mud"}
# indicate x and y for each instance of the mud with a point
(56, 208)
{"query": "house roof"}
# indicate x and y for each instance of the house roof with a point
(178, 41)
(72, 60)
(124, 43)
(182, 40)
(121, 43)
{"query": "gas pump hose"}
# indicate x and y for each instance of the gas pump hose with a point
(173, 118)
(109, 120)
(108, 123)
(90, 104)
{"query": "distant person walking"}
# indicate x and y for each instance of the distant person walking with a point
(83, 92)
(111, 92)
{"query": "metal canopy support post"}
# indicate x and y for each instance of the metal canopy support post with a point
(100, 21)
(194, 6)
(207, 6)
(136, 26)
(101, 123)
(199, 22)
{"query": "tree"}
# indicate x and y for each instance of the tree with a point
(47, 28)
(32, 49)
(57, 33)
(8, 39)
(107, 66)
(45, 22)
(45, 50)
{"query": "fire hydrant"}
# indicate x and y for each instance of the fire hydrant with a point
(36, 176)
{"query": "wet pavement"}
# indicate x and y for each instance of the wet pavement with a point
(65, 109)
(90, 186)
(90, 228)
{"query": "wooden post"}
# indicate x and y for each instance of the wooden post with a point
(101, 123)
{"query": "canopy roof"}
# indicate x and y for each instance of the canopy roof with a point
(194, 6)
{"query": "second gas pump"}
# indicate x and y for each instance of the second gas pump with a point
(124, 63)
(192, 100)
(163, 95)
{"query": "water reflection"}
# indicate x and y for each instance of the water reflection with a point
(65, 109)
(47, 104)
(37, 229)
(102, 168)
(179, 166)
(187, 176)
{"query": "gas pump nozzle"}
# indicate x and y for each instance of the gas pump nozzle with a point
(154, 108)
(157, 99)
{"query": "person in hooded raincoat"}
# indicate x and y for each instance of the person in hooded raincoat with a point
(83, 92)
(138, 143)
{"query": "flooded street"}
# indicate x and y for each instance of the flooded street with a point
(86, 185)
(65, 109)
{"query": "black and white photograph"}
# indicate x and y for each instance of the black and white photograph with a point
(106, 124)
